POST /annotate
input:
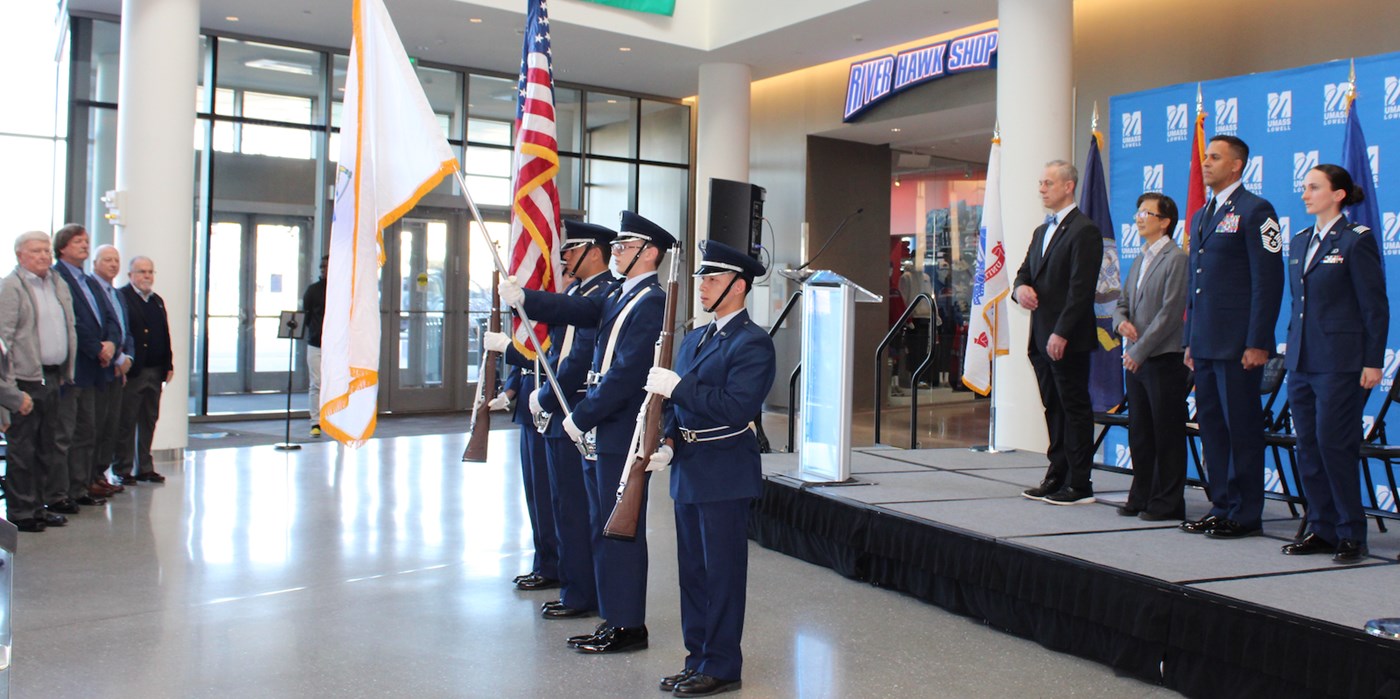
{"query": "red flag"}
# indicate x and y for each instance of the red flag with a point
(534, 226)
(1196, 188)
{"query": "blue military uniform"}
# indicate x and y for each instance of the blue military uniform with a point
(534, 473)
(570, 354)
(1337, 326)
(725, 374)
(628, 320)
(1233, 296)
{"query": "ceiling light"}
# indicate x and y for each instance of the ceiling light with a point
(231, 18)
(894, 130)
(280, 66)
(475, 20)
(623, 49)
(612, 101)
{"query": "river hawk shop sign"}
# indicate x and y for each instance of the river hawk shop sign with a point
(875, 79)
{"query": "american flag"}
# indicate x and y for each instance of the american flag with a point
(534, 225)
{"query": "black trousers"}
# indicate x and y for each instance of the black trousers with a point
(107, 411)
(37, 450)
(140, 411)
(83, 402)
(1069, 417)
(1157, 435)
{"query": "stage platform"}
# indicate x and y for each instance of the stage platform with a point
(1204, 617)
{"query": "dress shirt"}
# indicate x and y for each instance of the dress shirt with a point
(1149, 255)
(53, 323)
(632, 283)
(81, 276)
(1060, 217)
(1315, 240)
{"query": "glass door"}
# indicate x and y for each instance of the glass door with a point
(256, 271)
(419, 320)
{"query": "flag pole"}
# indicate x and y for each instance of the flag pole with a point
(524, 317)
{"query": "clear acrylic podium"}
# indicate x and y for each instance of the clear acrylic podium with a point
(828, 358)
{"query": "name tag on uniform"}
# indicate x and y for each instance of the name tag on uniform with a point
(1229, 224)
(1332, 259)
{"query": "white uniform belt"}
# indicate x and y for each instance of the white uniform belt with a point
(713, 434)
(596, 377)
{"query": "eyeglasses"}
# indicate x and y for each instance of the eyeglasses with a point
(619, 247)
(1145, 214)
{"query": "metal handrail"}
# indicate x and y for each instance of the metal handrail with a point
(792, 406)
(880, 365)
(763, 446)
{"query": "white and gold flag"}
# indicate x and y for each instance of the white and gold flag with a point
(987, 333)
(392, 152)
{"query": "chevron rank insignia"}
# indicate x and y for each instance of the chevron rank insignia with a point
(1271, 236)
(1361, 229)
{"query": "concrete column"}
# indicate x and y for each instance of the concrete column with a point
(1035, 95)
(722, 137)
(155, 172)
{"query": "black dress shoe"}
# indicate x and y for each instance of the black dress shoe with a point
(1070, 496)
(30, 524)
(1154, 517)
(1126, 511)
(537, 583)
(704, 686)
(150, 477)
(67, 507)
(1230, 529)
(1310, 544)
(618, 639)
(1039, 492)
(90, 501)
(669, 683)
(1349, 551)
(1199, 526)
(522, 576)
(54, 520)
(127, 480)
(562, 612)
(602, 630)
(551, 604)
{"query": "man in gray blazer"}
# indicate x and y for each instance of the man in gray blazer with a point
(36, 327)
(1150, 317)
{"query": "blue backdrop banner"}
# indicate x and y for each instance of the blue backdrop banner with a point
(1292, 120)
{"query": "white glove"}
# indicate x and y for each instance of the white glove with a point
(661, 458)
(535, 408)
(500, 402)
(495, 342)
(662, 381)
(510, 292)
(572, 430)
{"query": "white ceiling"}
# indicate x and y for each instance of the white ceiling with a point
(664, 59)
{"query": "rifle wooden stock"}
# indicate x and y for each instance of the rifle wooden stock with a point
(486, 384)
(627, 513)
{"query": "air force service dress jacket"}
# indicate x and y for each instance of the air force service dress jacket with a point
(1236, 279)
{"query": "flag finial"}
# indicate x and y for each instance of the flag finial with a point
(1200, 103)
(1351, 84)
(1094, 120)
(996, 131)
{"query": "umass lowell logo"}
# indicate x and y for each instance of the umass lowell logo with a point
(1392, 361)
(1302, 162)
(1253, 176)
(1227, 116)
(1152, 178)
(1280, 111)
(1285, 228)
(1132, 129)
(1334, 103)
(1392, 97)
(1178, 123)
(1130, 244)
(1373, 156)
(1390, 234)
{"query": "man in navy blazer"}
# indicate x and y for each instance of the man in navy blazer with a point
(106, 265)
(722, 374)
(1056, 284)
(584, 254)
(1234, 289)
(99, 339)
(628, 320)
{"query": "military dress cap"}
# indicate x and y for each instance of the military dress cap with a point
(635, 227)
(718, 258)
(578, 233)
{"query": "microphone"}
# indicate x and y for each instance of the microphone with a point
(830, 238)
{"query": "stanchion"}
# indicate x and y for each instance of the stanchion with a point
(291, 328)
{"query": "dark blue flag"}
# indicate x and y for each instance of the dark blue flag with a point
(1106, 363)
(1357, 161)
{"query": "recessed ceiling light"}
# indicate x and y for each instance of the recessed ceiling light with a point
(895, 130)
(475, 20)
(623, 49)
(612, 101)
(231, 18)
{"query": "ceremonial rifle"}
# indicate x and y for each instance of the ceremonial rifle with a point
(646, 438)
(485, 385)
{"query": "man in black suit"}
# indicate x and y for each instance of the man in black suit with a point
(154, 366)
(1056, 284)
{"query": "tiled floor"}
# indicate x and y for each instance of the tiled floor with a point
(384, 572)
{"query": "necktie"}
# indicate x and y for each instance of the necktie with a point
(1313, 246)
(1210, 214)
(1051, 221)
(118, 309)
(709, 333)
